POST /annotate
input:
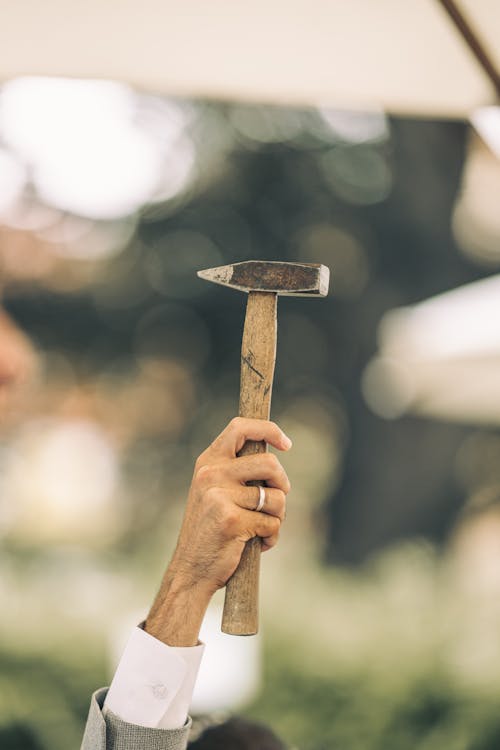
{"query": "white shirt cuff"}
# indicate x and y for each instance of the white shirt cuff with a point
(153, 684)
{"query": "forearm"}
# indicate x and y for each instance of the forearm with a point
(154, 682)
(178, 611)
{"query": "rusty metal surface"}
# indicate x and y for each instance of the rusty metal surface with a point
(297, 279)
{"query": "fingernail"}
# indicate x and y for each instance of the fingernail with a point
(286, 441)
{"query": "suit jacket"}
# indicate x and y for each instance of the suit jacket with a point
(111, 733)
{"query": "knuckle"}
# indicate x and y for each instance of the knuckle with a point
(236, 423)
(225, 513)
(272, 462)
(231, 519)
(215, 496)
(204, 473)
(281, 504)
(200, 461)
(270, 541)
(274, 525)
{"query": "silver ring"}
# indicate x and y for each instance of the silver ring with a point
(262, 499)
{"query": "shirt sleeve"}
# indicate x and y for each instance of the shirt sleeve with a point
(153, 684)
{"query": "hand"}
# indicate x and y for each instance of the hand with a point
(219, 520)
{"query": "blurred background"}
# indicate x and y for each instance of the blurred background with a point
(381, 606)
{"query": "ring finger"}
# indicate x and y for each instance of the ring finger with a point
(274, 500)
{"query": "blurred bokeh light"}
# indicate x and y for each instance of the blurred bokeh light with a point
(380, 614)
(94, 147)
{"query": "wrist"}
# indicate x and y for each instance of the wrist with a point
(178, 611)
(180, 579)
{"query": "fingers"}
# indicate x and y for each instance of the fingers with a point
(239, 430)
(220, 480)
(236, 522)
(263, 467)
(248, 498)
(260, 524)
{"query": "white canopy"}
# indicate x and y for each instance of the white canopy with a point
(402, 55)
(440, 358)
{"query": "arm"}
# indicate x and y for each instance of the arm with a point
(219, 519)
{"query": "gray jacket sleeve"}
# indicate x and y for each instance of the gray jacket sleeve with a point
(108, 732)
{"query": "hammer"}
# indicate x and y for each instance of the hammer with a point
(263, 280)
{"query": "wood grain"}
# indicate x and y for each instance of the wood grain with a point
(258, 357)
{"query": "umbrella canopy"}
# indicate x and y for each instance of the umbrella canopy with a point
(405, 57)
(440, 358)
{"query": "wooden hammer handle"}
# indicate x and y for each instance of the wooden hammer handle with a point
(258, 356)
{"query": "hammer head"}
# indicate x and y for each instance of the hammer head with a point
(291, 279)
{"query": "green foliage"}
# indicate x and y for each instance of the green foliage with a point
(358, 713)
(44, 699)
